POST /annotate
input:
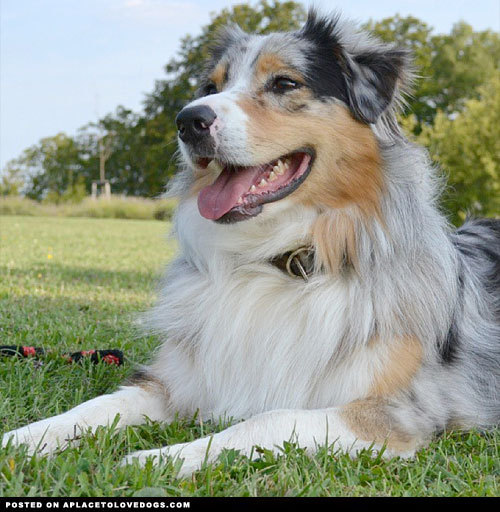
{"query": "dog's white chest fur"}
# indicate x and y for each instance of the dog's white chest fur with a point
(243, 338)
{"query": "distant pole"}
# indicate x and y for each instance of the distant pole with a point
(105, 144)
(102, 161)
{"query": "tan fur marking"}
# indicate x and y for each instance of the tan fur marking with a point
(269, 63)
(347, 170)
(334, 238)
(370, 421)
(404, 360)
(150, 384)
(218, 75)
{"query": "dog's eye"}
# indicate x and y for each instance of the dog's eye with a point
(283, 84)
(210, 88)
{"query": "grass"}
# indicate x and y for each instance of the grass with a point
(70, 284)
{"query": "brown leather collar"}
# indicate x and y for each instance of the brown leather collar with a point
(298, 263)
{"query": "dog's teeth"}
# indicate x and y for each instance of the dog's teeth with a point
(262, 183)
(287, 163)
(240, 200)
(272, 176)
(278, 169)
(253, 188)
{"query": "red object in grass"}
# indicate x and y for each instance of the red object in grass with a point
(111, 359)
(29, 351)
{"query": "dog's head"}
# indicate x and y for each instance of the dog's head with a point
(290, 115)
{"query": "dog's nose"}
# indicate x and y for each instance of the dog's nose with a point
(194, 122)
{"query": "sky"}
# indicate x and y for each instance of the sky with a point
(64, 63)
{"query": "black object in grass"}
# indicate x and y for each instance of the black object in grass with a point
(112, 356)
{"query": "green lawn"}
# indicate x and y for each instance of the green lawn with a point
(69, 284)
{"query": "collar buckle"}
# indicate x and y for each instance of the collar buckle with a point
(299, 264)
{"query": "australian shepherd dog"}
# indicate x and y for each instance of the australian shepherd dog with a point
(318, 293)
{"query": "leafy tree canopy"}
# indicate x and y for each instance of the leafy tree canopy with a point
(467, 148)
(450, 68)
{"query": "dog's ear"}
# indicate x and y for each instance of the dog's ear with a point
(355, 67)
(374, 79)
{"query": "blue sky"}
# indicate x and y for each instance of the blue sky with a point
(64, 62)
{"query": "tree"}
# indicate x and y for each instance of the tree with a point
(450, 67)
(12, 181)
(467, 147)
(49, 168)
(461, 62)
(125, 167)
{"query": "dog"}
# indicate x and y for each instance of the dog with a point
(318, 294)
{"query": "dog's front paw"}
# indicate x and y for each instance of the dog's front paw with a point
(43, 437)
(36, 439)
(190, 455)
(157, 456)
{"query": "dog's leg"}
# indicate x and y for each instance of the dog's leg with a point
(361, 424)
(132, 404)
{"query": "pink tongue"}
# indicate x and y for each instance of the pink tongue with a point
(218, 198)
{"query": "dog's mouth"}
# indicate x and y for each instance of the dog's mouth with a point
(239, 192)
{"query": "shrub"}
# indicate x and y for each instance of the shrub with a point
(118, 207)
